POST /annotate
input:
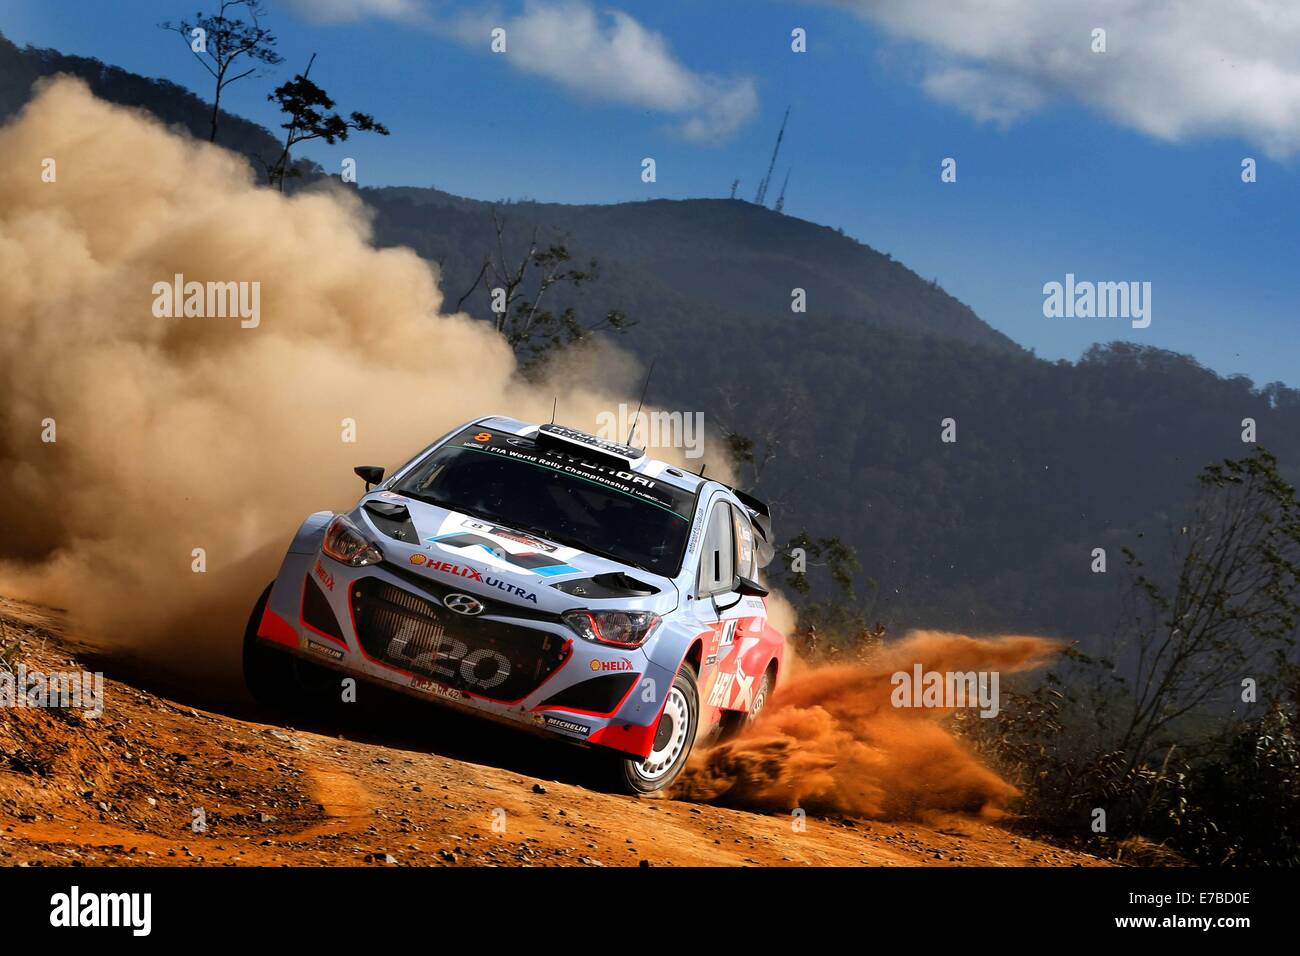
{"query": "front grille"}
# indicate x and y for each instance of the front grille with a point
(478, 656)
(423, 584)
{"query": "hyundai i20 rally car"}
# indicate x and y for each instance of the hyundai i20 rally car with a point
(541, 576)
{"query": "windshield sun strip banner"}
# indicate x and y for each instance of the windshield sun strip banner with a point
(583, 471)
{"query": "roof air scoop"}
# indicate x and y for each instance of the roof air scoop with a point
(560, 438)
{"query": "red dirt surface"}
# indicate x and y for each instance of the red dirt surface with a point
(123, 789)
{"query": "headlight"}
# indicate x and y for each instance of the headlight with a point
(618, 628)
(344, 542)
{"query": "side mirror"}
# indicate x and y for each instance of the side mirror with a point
(370, 474)
(743, 588)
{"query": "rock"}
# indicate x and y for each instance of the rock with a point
(538, 788)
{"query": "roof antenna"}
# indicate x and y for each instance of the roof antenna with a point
(637, 417)
(554, 402)
(703, 465)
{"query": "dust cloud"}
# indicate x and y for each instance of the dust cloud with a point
(220, 434)
(831, 741)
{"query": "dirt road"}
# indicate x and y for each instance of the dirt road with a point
(156, 781)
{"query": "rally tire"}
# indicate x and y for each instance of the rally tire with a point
(267, 671)
(279, 680)
(736, 722)
(674, 737)
(761, 697)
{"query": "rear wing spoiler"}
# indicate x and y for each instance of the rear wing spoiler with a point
(761, 518)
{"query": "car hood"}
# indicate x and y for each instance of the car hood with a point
(515, 567)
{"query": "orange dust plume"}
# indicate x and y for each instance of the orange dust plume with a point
(153, 469)
(831, 740)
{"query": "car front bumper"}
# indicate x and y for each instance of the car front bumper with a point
(389, 625)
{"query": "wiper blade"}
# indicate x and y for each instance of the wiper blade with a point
(543, 533)
(483, 515)
(567, 542)
(581, 546)
(427, 499)
(615, 558)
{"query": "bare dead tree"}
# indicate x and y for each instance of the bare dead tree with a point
(1234, 604)
(517, 289)
(228, 41)
(751, 453)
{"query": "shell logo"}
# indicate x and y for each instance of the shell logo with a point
(418, 558)
(595, 665)
(483, 436)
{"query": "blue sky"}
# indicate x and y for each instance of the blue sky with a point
(1122, 165)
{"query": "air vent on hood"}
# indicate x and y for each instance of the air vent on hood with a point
(393, 519)
(612, 584)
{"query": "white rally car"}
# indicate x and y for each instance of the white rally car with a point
(542, 576)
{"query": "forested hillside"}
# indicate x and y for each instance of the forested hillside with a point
(844, 402)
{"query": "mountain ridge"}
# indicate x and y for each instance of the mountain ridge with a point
(992, 532)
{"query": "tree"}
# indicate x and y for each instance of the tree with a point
(306, 103)
(227, 40)
(835, 627)
(1278, 395)
(1233, 607)
(1243, 808)
(839, 559)
(515, 294)
(778, 414)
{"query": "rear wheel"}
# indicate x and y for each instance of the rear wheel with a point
(674, 737)
(736, 722)
(760, 698)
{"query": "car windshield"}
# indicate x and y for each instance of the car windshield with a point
(595, 508)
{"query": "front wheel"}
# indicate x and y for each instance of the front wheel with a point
(267, 671)
(280, 681)
(674, 737)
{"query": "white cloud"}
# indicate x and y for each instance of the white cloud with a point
(1173, 69)
(611, 56)
(344, 11)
